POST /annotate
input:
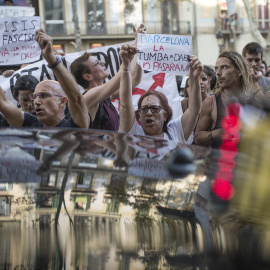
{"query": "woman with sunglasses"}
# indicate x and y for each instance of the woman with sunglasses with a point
(154, 113)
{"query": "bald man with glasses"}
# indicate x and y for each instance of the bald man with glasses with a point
(90, 73)
(50, 97)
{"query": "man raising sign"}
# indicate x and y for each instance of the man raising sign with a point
(50, 97)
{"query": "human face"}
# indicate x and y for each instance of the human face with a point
(49, 110)
(97, 68)
(26, 103)
(204, 82)
(262, 68)
(228, 76)
(9, 3)
(254, 60)
(152, 123)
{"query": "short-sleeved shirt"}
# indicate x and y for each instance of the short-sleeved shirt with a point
(264, 83)
(174, 128)
(31, 120)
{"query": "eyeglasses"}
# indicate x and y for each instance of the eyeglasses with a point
(97, 63)
(153, 109)
(24, 100)
(42, 95)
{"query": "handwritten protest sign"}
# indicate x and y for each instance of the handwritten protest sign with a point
(17, 40)
(164, 53)
(162, 82)
(13, 11)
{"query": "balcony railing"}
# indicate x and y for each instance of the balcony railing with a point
(263, 24)
(62, 28)
(224, 26)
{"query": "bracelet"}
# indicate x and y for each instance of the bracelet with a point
(56, 63)
(212, 139)
(256, 91)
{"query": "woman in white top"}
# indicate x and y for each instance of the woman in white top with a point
(154, 113)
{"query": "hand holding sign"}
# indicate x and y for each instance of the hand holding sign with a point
(18, 44)
(140, 30)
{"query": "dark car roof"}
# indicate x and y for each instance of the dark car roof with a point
(91, 199)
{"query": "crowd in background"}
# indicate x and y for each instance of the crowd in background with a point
(243, 77)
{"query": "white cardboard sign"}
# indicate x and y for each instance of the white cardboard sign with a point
(17, 40)
(162, 82)
(16, 11)
(164, 53)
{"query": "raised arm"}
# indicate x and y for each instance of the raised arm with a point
(127, 114)
(111, 88)
(190, 116)
(76, 104)
(13, 115)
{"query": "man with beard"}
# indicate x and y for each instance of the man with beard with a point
(234, 80)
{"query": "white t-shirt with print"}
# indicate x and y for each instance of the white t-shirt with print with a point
(174, 128)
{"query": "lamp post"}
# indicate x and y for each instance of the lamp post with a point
(220, 40)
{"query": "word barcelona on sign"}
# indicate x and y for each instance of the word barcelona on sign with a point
(164, 53)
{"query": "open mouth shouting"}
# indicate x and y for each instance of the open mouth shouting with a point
(149, 122)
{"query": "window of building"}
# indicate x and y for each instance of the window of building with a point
(88, 161)
(170, 17)
(95, 16)
(84, 180)
(96, 45)
(49, 180)
(263, 14)
(5, 186)
(47, 200)
(5, 203)
(54, 17)
(148, 186)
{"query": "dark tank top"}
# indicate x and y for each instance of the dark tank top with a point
(106, 117)
(221, 113)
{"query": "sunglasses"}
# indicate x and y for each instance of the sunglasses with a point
(42, 95)
(153, 109)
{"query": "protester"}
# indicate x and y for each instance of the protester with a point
(253, 53)
(212, 76)
(50, 97)
(90, 74)
(154, 112)
(263, 67)
(24, 87)
(8, 2)
(234, 80)
(204, 85)
(267, 74)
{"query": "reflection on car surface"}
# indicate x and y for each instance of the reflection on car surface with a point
(83, 199)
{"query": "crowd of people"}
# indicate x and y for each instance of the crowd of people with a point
(44, 104)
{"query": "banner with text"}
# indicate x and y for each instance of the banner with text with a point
(16, 11)
(165, 83)
(164, 53)
(17, 40)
